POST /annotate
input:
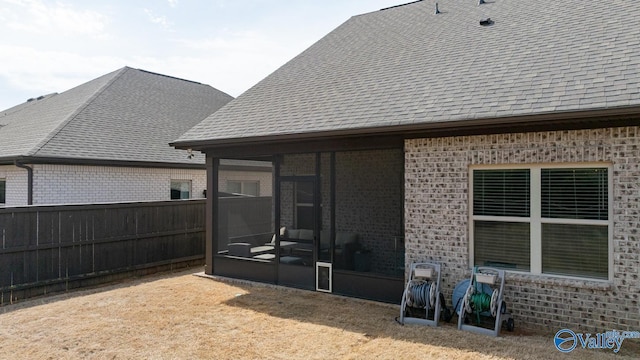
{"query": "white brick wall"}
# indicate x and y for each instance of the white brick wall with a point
(16, 185)
(437, 221)
(265, 179)
(69, 184)
(72, 184)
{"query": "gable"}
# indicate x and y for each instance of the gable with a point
(128, 115)
(27, 125)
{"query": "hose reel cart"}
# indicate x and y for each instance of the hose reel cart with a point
(482, 302)
(422, 301)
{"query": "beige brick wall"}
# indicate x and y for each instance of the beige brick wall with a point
(437, 221)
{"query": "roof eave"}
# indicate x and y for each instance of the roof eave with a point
(552, 120)
(97, 162)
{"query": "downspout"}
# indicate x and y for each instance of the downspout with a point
(29, 180)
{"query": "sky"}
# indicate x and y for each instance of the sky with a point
(49, 46)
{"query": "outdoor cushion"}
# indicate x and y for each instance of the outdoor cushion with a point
(292, 260)
(256, 250)
(240, 249)
(283, 233)
(306, 234)
(265, 256)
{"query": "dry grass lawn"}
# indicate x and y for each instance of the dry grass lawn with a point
(182, 316)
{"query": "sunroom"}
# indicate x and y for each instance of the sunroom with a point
(333, 224)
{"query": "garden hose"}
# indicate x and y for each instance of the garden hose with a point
(419, 295)
(481, 302)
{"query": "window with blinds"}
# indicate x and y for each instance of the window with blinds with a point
(575, 193)
(574, 247)
(501, 192)
(565, 233)
(498, 194)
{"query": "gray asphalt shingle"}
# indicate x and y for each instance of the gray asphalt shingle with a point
(406, 65)
(126, 115)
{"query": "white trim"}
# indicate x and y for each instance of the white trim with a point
(329, 266)
(574, 221)
(501, 218)
(564, 165)
(181, 181)
(610, 180)
(535, 231)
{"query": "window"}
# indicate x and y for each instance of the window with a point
(251, 188)
(3, 186)
(180, 189)
(501, 208)
(542, 219)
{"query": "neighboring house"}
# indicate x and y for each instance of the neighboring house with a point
(107, 141)
(514, 144)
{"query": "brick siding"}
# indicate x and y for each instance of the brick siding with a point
(265, 179)
(68, 184)
(437, 221)
(16, 185)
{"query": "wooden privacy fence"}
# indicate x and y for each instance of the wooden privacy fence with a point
(54, 248)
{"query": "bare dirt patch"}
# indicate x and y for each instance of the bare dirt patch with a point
(182, 316)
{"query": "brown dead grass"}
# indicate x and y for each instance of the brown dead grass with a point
(181, 316)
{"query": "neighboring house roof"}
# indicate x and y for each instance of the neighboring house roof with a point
(127, 116)
(407, 66)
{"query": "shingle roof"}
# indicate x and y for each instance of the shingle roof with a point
(126, 115)
(407, 65)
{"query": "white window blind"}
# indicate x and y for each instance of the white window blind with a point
(498, 194)
(502, 244)
(575, 193)
(575, 250)
(501, 192)
(570, 248)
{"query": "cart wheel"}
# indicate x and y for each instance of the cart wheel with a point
(510, 325)
(446, 314)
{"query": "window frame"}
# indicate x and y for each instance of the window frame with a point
(181, 182)
(535, 219)
(4, 191)
(243, 183)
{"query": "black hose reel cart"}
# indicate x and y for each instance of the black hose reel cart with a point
(422, 301)
(479, 302)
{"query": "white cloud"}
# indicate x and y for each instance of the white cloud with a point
(231, 62)
(51, 71)
(39, 17)
(51, 46)
(158, 19)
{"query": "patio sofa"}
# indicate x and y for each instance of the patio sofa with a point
(298, 243)
(346, 245)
